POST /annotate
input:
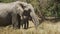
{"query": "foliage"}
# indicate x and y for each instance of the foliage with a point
(6, 1)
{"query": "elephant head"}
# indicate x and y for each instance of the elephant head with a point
(25, 9)
(28, 8)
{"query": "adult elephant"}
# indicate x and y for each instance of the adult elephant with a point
(28, 14)
(17, 8)
(10, 11)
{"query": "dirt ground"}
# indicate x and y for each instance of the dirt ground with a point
(46, 27)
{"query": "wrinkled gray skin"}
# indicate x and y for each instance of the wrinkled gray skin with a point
(10, 11)
(16, 10)
(28, 14)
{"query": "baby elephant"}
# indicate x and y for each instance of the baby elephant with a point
(26, 17)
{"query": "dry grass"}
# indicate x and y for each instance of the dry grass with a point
(44, 28)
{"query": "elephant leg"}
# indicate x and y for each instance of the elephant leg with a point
(19, 20)
(24, 24)
(27, 24)
(14, 21)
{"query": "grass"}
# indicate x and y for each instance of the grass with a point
(46, 27)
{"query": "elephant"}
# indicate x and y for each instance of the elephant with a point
(29, 14)
(9, 13)
(16, 12)
(25, 18)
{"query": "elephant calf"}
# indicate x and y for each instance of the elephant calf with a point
(26, 17)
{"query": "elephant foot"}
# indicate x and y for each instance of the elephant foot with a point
(16, 27)
(25, 27)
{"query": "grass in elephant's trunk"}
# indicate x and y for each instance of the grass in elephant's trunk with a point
(46, 27)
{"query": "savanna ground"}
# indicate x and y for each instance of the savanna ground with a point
(46, 27)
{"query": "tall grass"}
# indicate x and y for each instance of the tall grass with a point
(45, 28)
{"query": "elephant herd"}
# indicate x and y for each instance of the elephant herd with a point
(18, 14)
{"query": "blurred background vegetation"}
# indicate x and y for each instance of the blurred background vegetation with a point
(43, 8)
